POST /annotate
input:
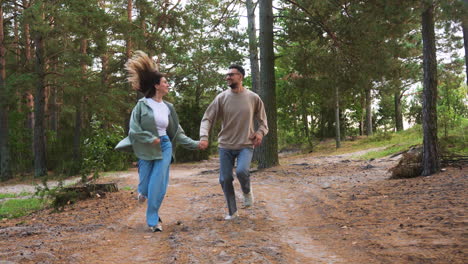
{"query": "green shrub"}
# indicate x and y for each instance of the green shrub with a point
(98, 149)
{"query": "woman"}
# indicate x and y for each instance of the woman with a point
(154, 130)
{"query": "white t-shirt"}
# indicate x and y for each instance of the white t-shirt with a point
(161, 115)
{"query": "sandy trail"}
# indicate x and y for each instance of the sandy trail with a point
(333, 209)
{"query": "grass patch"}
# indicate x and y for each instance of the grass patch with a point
(127, 188)
(14, 195)
(453, 144)
(14, 208)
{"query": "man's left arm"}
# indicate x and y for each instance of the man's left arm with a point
(261, 117)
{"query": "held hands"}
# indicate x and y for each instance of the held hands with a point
(156, 141)
(256, 139)
(203, 144)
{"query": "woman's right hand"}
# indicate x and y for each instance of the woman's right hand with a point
(156, 141)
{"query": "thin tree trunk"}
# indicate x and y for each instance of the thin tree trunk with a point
(337, 118)
(398, 112)
(16, 37)
(5, 166)
(368, 112)
(363, 111)
(465, 39)
(53, 101)
(253, 46)
(269, 149)
(40, 168)
(430, 159)
(104, 55)
(128, 48)
(27, 40)
(305, 121)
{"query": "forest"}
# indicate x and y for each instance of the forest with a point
(324, 69)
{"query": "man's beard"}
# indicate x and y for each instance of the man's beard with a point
(233, 85)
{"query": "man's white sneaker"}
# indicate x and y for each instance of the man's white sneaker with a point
(141, 198)
(231, 217)
(248, 199)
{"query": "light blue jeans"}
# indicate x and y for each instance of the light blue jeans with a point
(154, 179)
(227, 159)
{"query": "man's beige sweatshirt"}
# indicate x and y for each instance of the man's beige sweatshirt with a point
(237, 112)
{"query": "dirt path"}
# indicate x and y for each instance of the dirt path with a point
(310, 210)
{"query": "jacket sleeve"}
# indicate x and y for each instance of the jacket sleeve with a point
(210, 117)
(136, 133)
(185, 141)
(261, 117)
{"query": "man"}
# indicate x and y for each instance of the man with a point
(236, 108)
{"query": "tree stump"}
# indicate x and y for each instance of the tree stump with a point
(70, 195)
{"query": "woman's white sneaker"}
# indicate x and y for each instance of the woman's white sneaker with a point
(141, 198)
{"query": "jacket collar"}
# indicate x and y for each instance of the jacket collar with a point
(143, 99)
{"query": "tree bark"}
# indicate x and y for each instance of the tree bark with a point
(40, 167)
(398, 112)
(269, 149)
(368, 112)
(5, 168)
(430, 159)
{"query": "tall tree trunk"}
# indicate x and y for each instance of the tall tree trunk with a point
(28, 66)
(269, 149)
(465, 37)
(368, 112)
(398, 112)
(430, 160)
(253, 56)
(5, 168)
(253, 46)
(79, 108)
(40, 167)
(337, 118)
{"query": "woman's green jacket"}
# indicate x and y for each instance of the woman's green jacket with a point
(143, 132)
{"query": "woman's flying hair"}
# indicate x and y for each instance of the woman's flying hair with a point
(143, 73)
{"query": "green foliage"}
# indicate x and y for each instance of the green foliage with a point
(456, 143)
(98, 149)
(451, 105)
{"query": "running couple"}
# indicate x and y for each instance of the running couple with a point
(155, 129)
